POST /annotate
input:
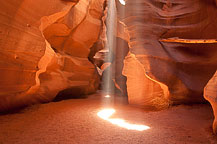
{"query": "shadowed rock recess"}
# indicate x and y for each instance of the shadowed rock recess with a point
(165, 51)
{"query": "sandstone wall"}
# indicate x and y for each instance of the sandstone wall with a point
(184, 68)
(44, 47)
(210, 93)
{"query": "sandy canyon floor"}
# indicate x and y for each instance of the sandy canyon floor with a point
(76, 121)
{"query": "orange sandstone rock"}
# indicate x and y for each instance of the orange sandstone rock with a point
(184, 68)
(44, 48)
(142, 90)
(210, 93)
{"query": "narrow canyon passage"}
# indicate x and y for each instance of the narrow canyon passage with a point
(76, 121)
(108, 71)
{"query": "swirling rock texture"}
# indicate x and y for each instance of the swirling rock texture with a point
(163, 73)
(210, 93)
(161, 57)
(44, 49)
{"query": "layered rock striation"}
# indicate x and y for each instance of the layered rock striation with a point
(210, 93)
(163, 51)
(44, 49)
(165, 72)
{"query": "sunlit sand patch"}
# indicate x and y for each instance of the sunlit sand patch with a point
(122, 2)
(107, 113)
(107, 96)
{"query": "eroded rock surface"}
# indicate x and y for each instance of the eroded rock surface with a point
(45, 47)
(210, 93)
(183, 68)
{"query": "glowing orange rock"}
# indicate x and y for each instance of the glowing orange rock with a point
(142, 90)
(184, 66)
(210, 93)
(34, 69)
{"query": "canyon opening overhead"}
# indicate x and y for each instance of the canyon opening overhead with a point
(108, 71)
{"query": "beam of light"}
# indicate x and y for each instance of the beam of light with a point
(122, 2)
(110, 43)
(105, 114)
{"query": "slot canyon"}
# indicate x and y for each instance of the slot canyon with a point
(108, 72)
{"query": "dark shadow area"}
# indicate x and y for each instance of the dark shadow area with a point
(71, 93)
(13, 111)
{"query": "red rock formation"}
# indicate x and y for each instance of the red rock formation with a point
(142, 90)
(182, 67)
(34, 70)
(210, 93)
(45, 47)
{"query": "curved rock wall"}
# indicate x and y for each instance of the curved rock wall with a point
(210, 93)
(34, 69)
(184, 68)
(45, 46)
